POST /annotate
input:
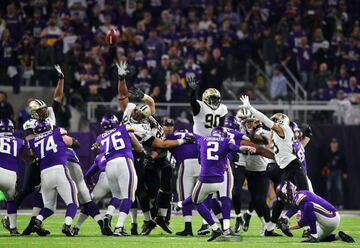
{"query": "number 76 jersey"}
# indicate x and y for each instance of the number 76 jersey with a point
(208, 118)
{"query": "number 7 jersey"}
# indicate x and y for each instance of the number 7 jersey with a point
(208, 118)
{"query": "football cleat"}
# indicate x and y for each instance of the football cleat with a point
(14, 232)
(306, 233)
(228, 233)
(204, 229)
(238, 224)
(215, 234)
(75, 231)
(187, 231)
(106, 230)
(133, 229)
(162, 223)
(147, 227)
(282, 224)
(29, 229)
(120, 232)
(271, 233)
(6, 222)
(67, 230)
(247, 218)
(311, 239)
(346, 238)
(37, 227)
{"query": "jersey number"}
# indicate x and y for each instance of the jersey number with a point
(117, 141)
(212, 147)
(276, 148)
(212, 120)
(49, 146)
(5, 146)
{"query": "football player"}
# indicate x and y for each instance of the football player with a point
(290, 166)
(49, 146)
(213, 157)
(151, 135)
(11, 149)
(316, 212)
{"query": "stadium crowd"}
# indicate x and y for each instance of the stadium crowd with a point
(164, 41)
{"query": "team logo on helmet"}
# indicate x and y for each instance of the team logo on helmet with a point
(6, 126)
(42, 126)
(243, 113)
(286, 191)
(38, 109)
(109, 122)
(280, 118)
(219, 132)
(212, 98)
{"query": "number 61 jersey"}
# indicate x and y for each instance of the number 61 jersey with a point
(10, 151)
(116, 142)
(208, 118)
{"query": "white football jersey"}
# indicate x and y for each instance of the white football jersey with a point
(208, 118)
(30, 124)
(257, 162)
(141, 130)
(283, 147)
(242, 156)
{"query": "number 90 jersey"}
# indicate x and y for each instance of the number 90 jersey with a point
(50, 148)
(208, 118)
(116, 143)
(283, 147)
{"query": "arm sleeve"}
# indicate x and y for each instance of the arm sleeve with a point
(263, 118)
(91, 172)
(195, 106)
(291, 212)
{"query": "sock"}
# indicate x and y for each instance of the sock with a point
(262, 220)
(121, 220)
(125, 206)
(214, 227)
(40, 217)
(81, 219)
(133, 214)
(163, 212)
(205, 213)
(187, 210)
(269, 226)
(147, 216)
(204, 222)
(215, 206)
(248, 212)
(110, 210)
(115, 202)
(226, 207)
(38, 201)
(44, 213)
(71, 210)
(226, 224)
(92, 210)
(239, 215)
(219, 216)
(12, 219)
(68, 220)
(187, 202)
(97, 218)
(11, 212)
(187, 218)
(35, 211)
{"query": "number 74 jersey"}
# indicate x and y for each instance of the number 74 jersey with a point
(208, 118)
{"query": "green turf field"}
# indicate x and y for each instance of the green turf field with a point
(89, 236)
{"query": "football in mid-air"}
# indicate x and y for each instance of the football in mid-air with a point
(112, 36)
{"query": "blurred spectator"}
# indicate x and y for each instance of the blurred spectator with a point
(155, 42)
(278, 85)
(304, 60)
(161, 75)
(229, 14)
(44, 60)
(319, 79)
(143, 80)
(215, 69)
(14, 22)
(342, 78)
(269, 52)
(335, 170)
(26, 58)
(36, 25)
(24, 114)
(156, 94)
(191, 69)
(329, 92)
(6, 110)
(353, 90)
(350, 54)
(175, 91)
(52, 33)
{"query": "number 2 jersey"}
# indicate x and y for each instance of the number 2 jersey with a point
(208, 118)
(283, 147)
(116, 143)
(213, 157)
(10, 151)
(50, 148)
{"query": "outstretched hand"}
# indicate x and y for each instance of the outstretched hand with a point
(122, 70)
(136, 93)
(193, 84)
(245, 102)
(59, 72)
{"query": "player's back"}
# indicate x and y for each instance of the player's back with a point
(186, 151)
(116, 142)
(49, 148)
(321, 205)
(213, 158)
(10, 152)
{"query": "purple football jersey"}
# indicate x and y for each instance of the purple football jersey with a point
(71, 156)
(302, 199)
(49, 148)
(300, 153)
(186, 151)
(100, 162)
(116, 143)
(10, 152)
(213, 157)
(237, 136)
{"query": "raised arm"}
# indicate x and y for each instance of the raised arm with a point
(141, 96)
(135, 143)
(193, 85)
(122, 87)
(307, 134)
(59, 90)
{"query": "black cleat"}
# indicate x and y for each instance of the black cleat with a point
(187, 231)
(6, 223)
(106, 229)
(228, 233)
(29, 229)
(247, 218)
(271, 234)
(282, 224)
(346, 238)
(215, 234)
(75, 231)
(120, 232)
(204, 229)
(238, 224)
(147, 227)
(133, 229)
(67, 230)
(14, 232)
(37, 227)
(162, 223)
(306, 233)
(311, 239)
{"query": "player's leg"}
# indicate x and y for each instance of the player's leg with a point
(67, 190)
(225, 194)
(239, 178)
(31, 180)
(295, 173)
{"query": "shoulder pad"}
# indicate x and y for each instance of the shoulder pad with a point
(299, 198)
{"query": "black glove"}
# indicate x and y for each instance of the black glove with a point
(306, 129)
(282, 224)
(236, 157)
(189, 140)
(136, 93)
(193, 84)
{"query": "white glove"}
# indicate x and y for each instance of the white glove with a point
(245, 101)
(122, 69)
(58, 70)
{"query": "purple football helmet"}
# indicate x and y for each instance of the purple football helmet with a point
(42, 126)
(6, 126)
(285, 191)
(219, 132)
(232, 122)
(109, 122)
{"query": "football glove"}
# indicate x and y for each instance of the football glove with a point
(282, 224)
(245, 101)
(136, 93)
(122, 70)
(193, 84)
(306, 129)
(59, 72)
